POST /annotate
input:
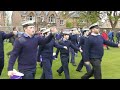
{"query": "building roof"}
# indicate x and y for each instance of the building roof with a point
(37, 13)
(74, 15)
(46, 12)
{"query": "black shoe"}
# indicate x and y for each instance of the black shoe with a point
(86, 76)
(59, 73)
(83, 77)
(78, 70)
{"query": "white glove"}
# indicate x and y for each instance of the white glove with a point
(65, 47)
(81, 50)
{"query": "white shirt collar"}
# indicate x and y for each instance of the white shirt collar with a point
(95, 34)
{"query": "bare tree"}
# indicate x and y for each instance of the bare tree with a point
(88, 17)
(113, 17)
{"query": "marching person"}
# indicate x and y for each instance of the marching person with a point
(64, 54)
(4, 36)
(25, 48)
(47, 56)
(84, 62)
(94, 51)
(74, 40)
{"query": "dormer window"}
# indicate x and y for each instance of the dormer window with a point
(61, 22)
(52, 19)
(31, 18)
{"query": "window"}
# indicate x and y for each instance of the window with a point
(31, 18)
(61, 22)
(52, 19)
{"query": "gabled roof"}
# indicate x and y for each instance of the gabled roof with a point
(75, 15)
(46, 12)
(25, 12)
(37, 13)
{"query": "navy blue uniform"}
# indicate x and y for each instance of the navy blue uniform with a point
(82, 44)
(73, 39)
(47, 58)
(25, 48)
(64, 55)
(2, 37)
(94, 52)
(39, 58)
(12, 39)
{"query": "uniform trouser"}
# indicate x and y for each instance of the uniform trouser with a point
(64, 67)
(81, 64)
(1, 65)
(72, 55)
(28, 73)
(47, 71)
(96, 71)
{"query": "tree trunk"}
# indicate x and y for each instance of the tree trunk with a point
(115, 16)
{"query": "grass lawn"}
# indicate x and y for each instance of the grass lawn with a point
(110, 65)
